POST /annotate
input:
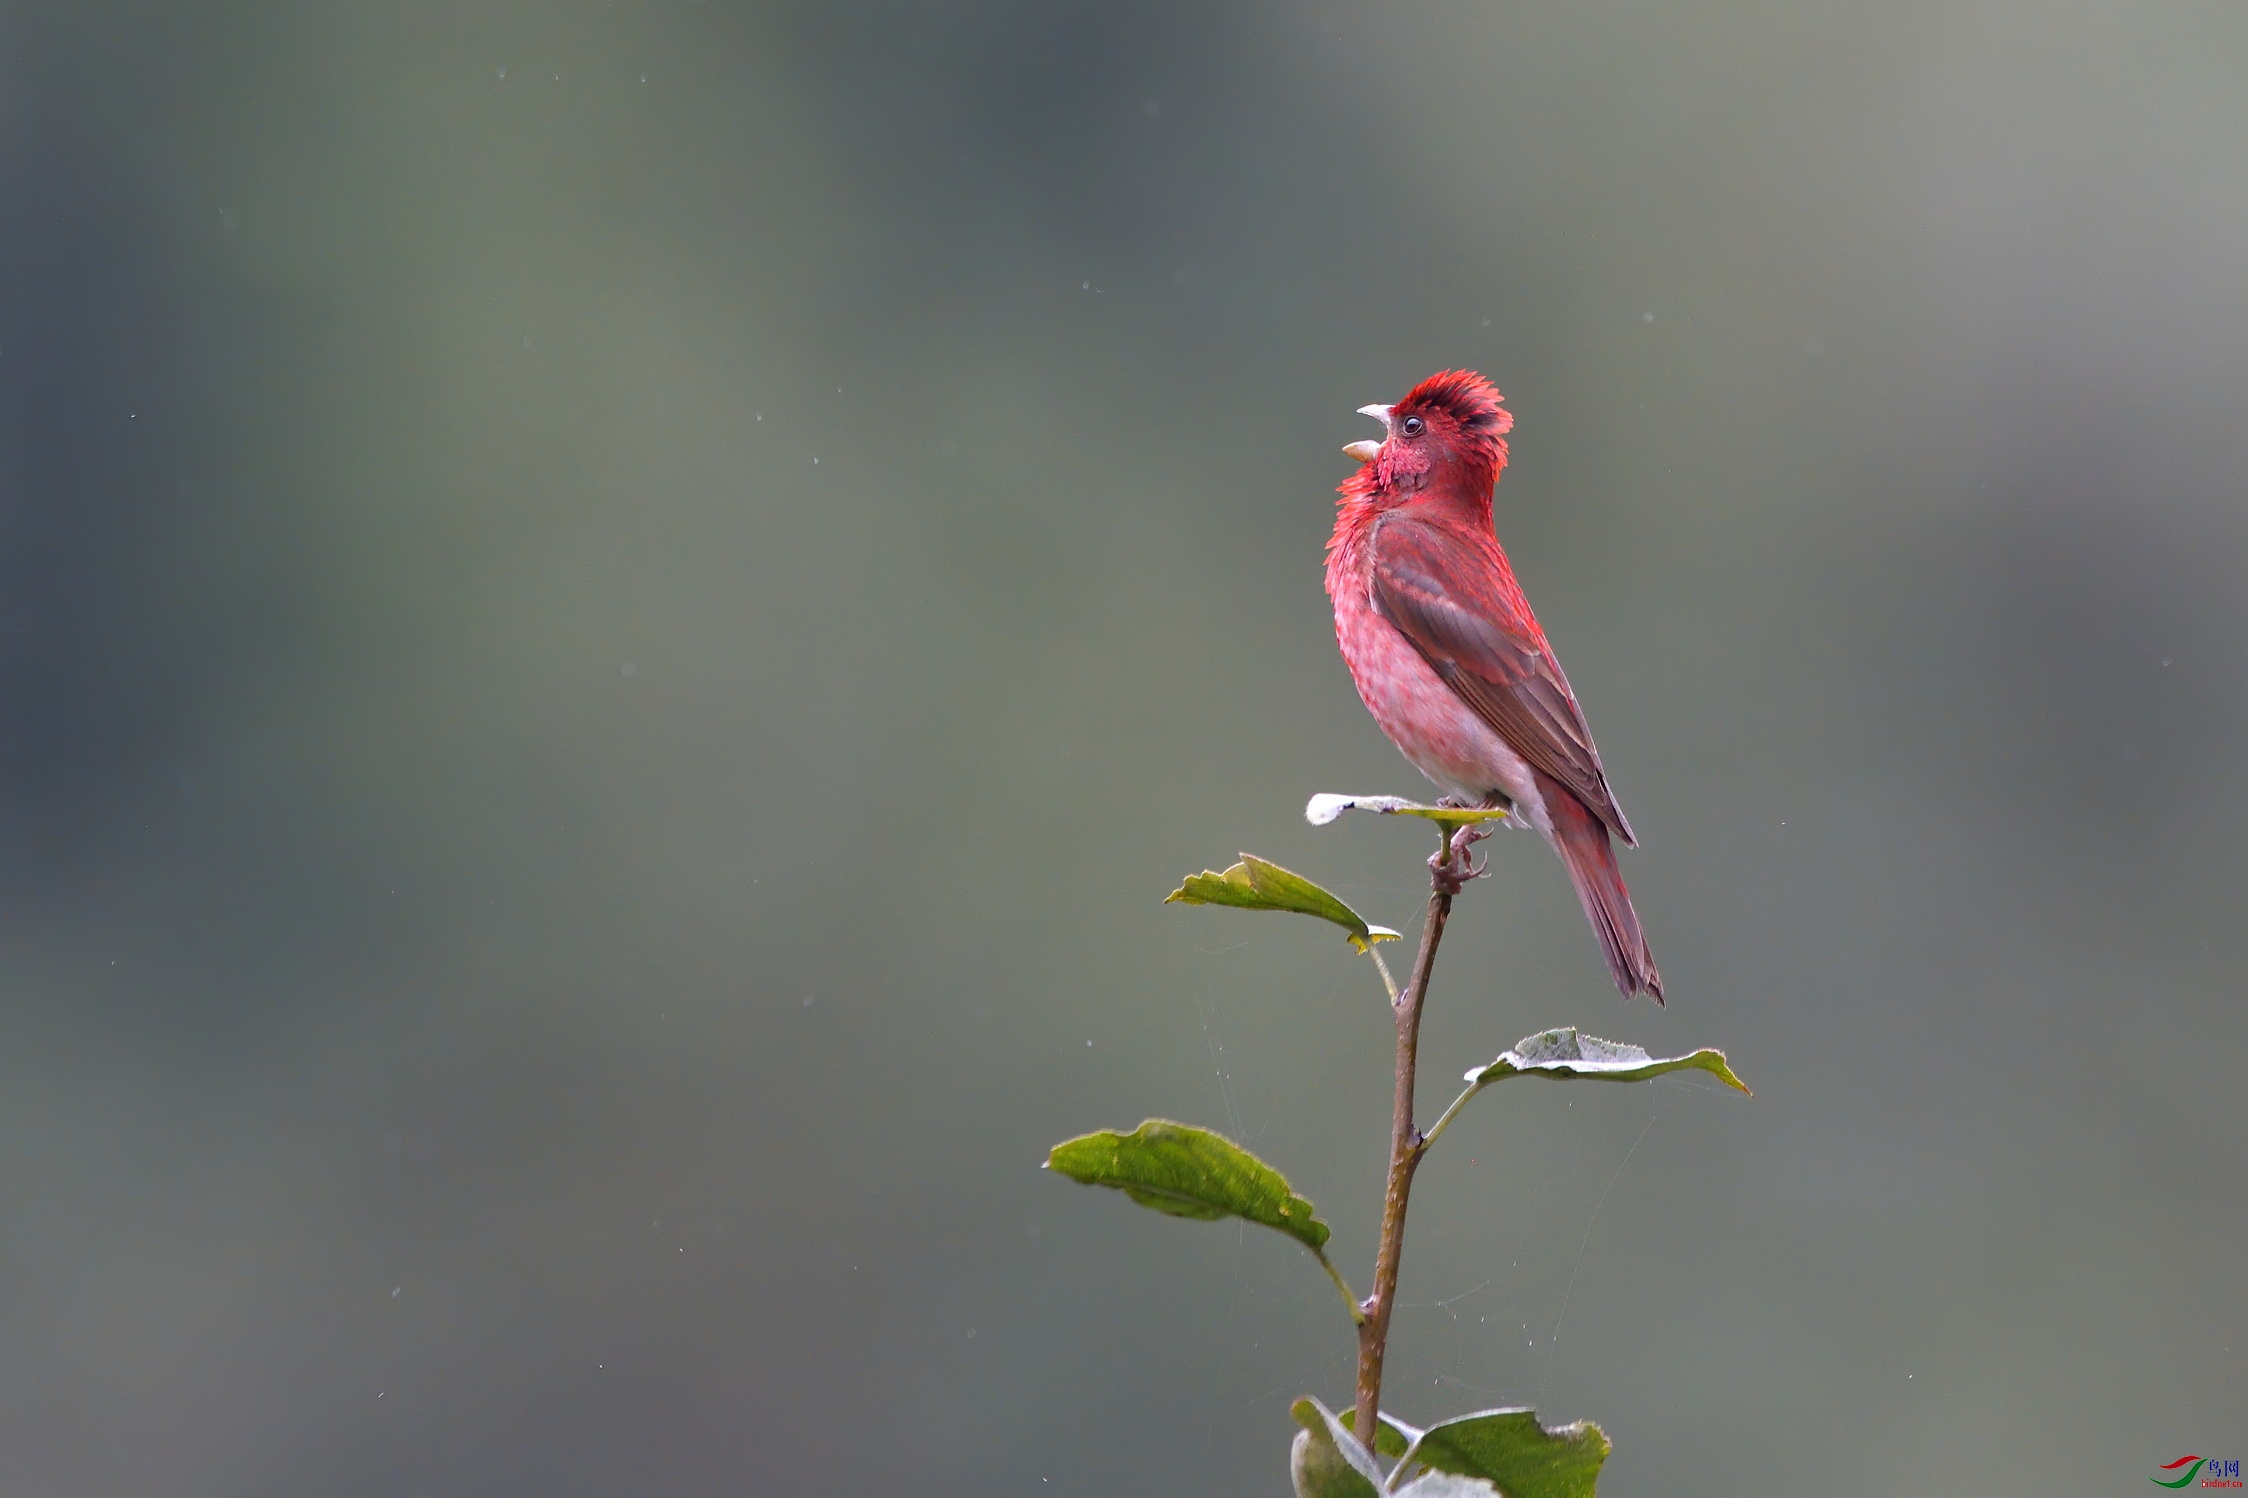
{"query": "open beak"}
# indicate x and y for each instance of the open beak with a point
(1364, 451)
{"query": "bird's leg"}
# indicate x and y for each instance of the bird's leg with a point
(1463, 843)
(1465, 839)
(1455, 865)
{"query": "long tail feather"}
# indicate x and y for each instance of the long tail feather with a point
(1582, 841)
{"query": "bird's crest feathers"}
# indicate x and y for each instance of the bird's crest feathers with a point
(1469, 399)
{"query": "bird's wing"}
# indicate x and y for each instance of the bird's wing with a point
(1459, 608)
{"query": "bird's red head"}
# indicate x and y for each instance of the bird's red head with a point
(1448, 432)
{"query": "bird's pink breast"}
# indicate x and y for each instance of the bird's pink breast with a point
(1423, 717)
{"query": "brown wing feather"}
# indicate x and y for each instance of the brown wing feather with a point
(1468, 621)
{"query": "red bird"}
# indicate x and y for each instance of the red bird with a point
(1449, 658)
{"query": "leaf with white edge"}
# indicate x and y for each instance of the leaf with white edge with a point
(1327, 1461)
(1511, 1449)
(1566, 1055)
(1326, 807)
(1255, 884)
(1444, 1485)
(1184, 1171)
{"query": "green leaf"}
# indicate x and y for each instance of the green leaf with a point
(1254, 884)
(1327, 1461)
(1325, 807)
(1190, 1172)
(1566, 1055)
(1510, 1449)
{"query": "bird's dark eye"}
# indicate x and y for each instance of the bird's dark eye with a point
(1412, 426)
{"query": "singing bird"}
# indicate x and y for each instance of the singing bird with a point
(1449, 658)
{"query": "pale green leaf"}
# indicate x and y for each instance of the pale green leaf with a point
(1565, 1055)
(1255, 884)
(1189, 1172)
(1326, 807)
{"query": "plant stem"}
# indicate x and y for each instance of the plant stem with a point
(1388, 982)
(1357, 1312)
(1449, 871)
(1428, 1140)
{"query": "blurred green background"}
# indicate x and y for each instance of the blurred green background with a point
(614, 618)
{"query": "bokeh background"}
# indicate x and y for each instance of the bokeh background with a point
(614, 618)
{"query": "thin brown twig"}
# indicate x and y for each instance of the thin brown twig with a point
(1449, 871)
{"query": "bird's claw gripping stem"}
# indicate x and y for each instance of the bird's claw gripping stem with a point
(1456, 864)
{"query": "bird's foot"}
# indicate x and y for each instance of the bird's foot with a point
(1452, 868)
